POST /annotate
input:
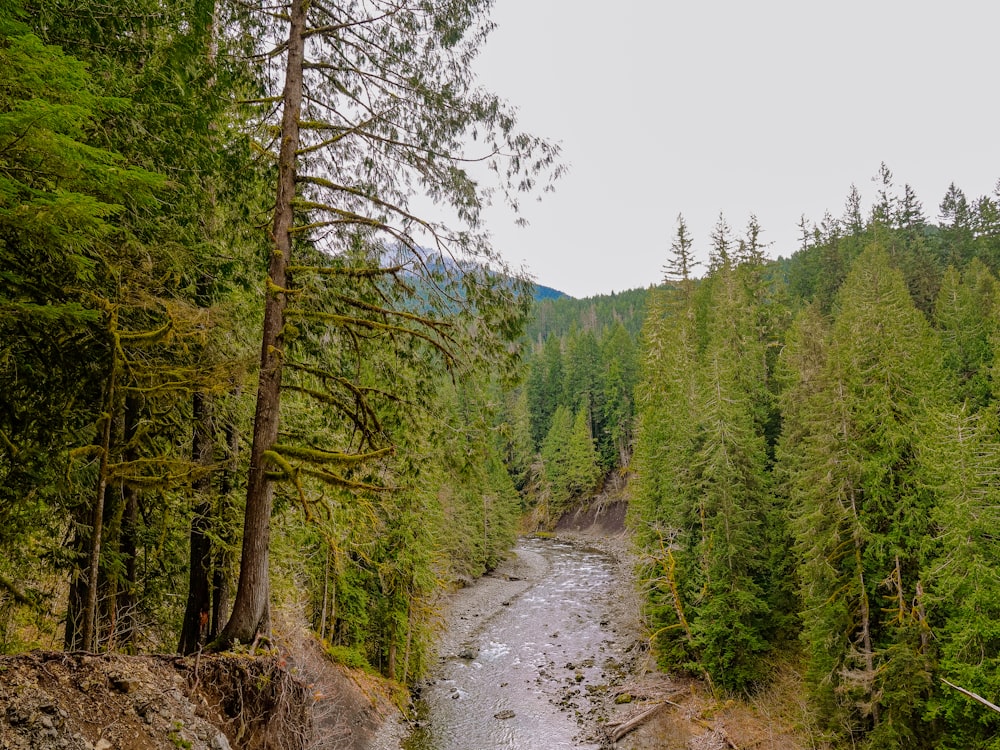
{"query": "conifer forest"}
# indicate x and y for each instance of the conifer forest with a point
(242, 376)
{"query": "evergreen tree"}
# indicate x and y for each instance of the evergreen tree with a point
(721, 253)
(344, 182)
(545, 386)
(519, 449)
(959, 456)
(733, 494)
(864, 519)
(681, 263)
(956, 221)
(570, 459)
(664, 495)
(964, 316)
(618, 353)
(583, 383)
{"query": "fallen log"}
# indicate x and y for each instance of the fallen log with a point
(619, 730)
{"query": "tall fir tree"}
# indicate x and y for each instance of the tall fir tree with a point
(864, 519)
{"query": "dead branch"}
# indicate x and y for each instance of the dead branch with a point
(972, 695)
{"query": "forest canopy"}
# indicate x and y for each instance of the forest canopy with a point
(814, 468)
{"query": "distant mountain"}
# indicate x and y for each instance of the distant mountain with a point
(437, 262)
(547, 292)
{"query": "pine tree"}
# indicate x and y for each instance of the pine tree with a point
(733, 493)
(721, 253)
(681, 263)
(956, 225)
(959, 456)
(619, 356)
(545, 386)
(963, 314)
(519, 451)
(373, 106)
(664, 487)
(569, 458)
(864, 520)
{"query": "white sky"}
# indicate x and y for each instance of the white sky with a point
(771, 107)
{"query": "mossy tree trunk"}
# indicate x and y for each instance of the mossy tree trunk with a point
(253, 590)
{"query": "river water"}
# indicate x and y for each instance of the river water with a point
(529, 673)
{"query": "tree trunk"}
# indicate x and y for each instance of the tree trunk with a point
(197, 614)
(129, 534)
(77, 590)
(253, 590)
(128, 600)
(88, 630)
(222, 559)
(326, 594)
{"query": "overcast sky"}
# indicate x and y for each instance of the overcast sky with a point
(767, 107)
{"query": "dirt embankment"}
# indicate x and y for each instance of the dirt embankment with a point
(88, 702)
(282, 701)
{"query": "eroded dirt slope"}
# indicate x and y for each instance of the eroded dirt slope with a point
(282, 701)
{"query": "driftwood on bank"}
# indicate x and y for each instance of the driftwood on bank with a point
(617, 731)
(722, 734)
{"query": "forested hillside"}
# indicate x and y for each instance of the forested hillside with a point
(231, 374)
(569, 423)
(816, 458)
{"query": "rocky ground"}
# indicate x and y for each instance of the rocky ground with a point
(82, 702)
(650, 710)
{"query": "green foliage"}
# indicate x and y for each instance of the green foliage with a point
(349, 657)
(863, 525)
(964, 315)
(544, 387)
(588, 361)
(128, 303)
(558, 316)
(840, 493)
(570, 458)
(959, 454)
(876, 432)
(702, 504)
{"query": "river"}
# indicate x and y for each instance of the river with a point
(528, 659)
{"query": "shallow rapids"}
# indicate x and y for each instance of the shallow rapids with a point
(529, 673)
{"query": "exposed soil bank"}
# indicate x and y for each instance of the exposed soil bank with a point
(89, 702)
(282, 701)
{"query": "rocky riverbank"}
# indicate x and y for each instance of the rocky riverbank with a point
(634, 706)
